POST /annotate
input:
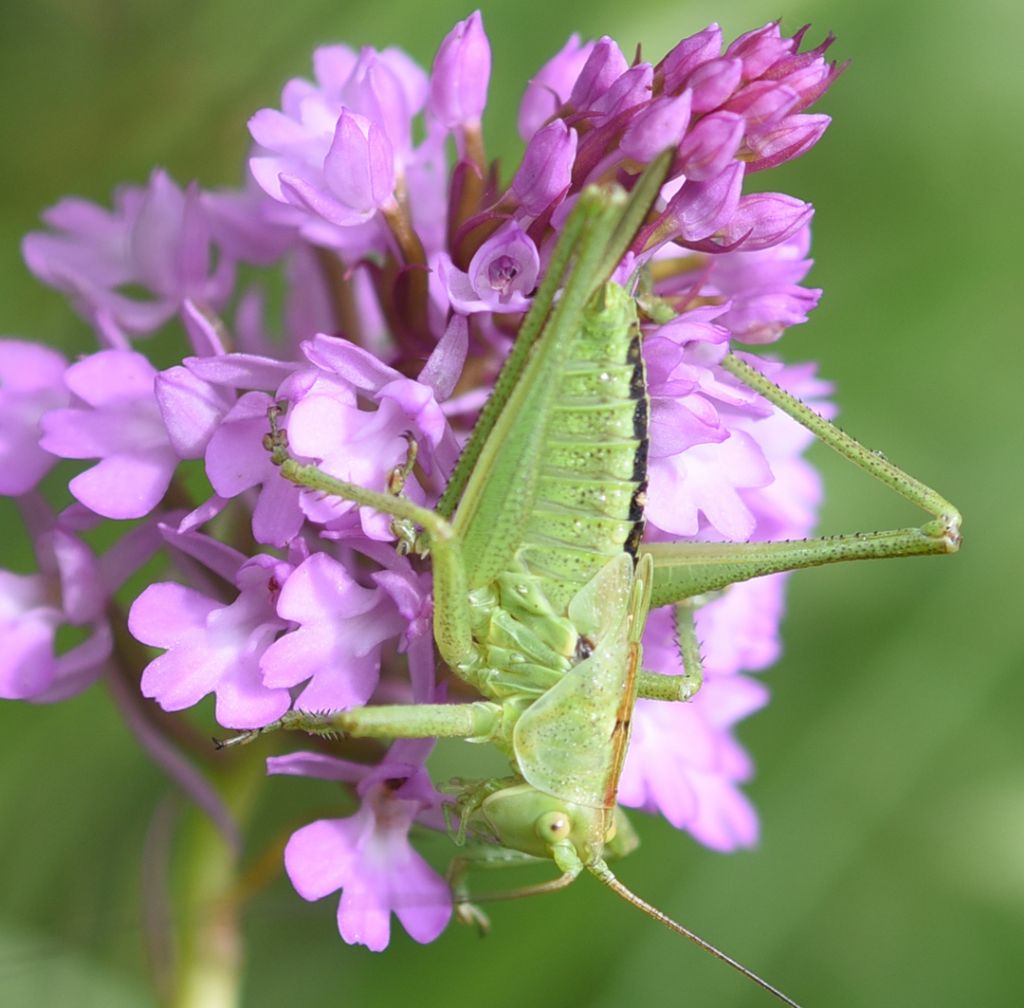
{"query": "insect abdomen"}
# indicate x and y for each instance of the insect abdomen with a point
(589, 494)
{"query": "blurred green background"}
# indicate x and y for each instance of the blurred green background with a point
(890, 762)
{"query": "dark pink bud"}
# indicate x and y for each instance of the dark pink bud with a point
(762, 102)
(713, 83)
(795, 61)
(760, 48)
(460, 75)
(631, 89)
(700, 209)
(763, 220)
(711, 145)
(812, 82)
(547, 167)
(603, 68)
(689, 54)
(806, 73)
(784, 140)
(660, 125)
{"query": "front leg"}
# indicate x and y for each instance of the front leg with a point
(404, 531)
(492, 856)
(452, 627)
(654, 685)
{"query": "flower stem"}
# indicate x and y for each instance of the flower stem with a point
(209, 953)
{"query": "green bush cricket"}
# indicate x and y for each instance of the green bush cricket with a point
(542, 585)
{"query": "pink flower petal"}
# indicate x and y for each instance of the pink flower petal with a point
(167, 614)
(125, 486)
(318, 856)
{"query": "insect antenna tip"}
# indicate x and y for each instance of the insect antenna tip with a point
(604, 874)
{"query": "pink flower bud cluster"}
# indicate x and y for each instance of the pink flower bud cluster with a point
(406, 279)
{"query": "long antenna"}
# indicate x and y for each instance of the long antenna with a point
(603, 873)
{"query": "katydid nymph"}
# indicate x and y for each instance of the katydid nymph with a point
(541, 582)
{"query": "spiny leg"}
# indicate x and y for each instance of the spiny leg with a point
(685, 569)
(689, 646)
(478, 721)
(654, 685)
(946, 528)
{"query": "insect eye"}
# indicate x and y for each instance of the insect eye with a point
(554, 826)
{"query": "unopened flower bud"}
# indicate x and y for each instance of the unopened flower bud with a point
(662, 124)
(760, 48)
(711, 145)
(782, 141)
(713, 83)
(631, 89)
(762, 102)
(700, 209)
(689, 54)
(360, 167)
(603, 68)
(547, 167)
(764, 220)
(461, 72)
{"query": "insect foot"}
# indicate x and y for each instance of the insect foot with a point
(950, 531)
(276, 442)
(402, 529)
(471, 915)
(321, 724)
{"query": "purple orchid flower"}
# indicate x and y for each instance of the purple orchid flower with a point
(118, 421)
(368, 855)
(30, 385)
(157, 238)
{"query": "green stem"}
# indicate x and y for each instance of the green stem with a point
(209, 953)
